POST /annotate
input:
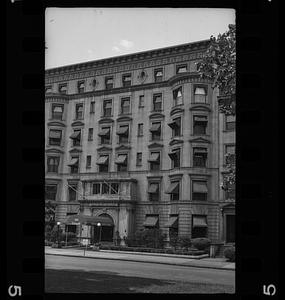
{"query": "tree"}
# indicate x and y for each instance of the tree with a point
(219, 65)
(50, 213)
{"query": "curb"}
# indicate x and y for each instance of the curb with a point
(141, 261)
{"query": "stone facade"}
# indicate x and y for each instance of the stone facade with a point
(107, 147)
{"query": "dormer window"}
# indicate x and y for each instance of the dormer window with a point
(127, 80)
(109, 82)
(181, 69)
(62, 88)
(80, 87)
(158, 73)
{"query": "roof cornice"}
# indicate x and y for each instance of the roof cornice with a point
(156, 53)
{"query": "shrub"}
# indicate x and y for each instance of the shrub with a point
(230, 253)
(201, 243)
(184, 241)
(151, 238)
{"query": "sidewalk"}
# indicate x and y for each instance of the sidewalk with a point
(170, 259)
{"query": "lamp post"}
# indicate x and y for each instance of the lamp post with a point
(99, 225)
(58, 224)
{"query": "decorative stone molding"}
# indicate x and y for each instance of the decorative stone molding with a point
(54, 150)
(176, 110)
(105, 120)
(155, 146)
(75, 150)
(123, 148)
(203, 107)
(56, 123)
(175, 142)
(124, 119)
(135, 61)
(156, 115)
(104, 149)
(200, 140)
(77, 124)
(175, 176)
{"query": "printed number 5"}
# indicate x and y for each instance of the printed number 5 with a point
(269, 290)
(14, 290)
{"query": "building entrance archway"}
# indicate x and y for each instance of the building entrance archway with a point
(107, 231)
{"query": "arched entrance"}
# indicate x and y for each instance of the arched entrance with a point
(107, 231)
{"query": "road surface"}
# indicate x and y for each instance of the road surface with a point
(113, 270)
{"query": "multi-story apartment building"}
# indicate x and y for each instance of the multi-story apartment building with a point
(139, 140)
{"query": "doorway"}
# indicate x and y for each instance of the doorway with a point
(107, 231)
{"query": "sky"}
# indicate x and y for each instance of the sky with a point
(75, 35)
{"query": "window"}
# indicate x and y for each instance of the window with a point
(92, 107)
(181, 69)
(199, 190)
(200, 94)
(109, 83)
(62, 88)
(173, 190)
(139, 159)
(199, 157)
(114, 188)
(175, 158)
(76, 137)
(141, 101)
(48, 89)
(79, 111)
(199, 226)
(153, 191)
(230, 154)
(177, 96)
(154, 161)
(107, 108)
(200, 125)
(80, 87)
(158, 75)
(72, 192)
(125, 105)
(105, 188)
(157, 102)
(175, 125)
(122, 162)
(172, 224)
(96, 188)
(155, 131)
(127, 79)
(50, 192)
(90, 134)
(123, 134)
(230, 122)
(103, 163)
(55, 137)
(88, 161)
(105, 135)
(140, 129)
(52, 164)
(57, 111)
(74, 165)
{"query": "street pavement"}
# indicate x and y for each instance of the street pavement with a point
(106, 275)
(166, 259)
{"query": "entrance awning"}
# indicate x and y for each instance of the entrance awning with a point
(88, 220)
(172, 222)
(150, 222)
(199, 221)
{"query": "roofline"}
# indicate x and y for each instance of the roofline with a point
(125, 55)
